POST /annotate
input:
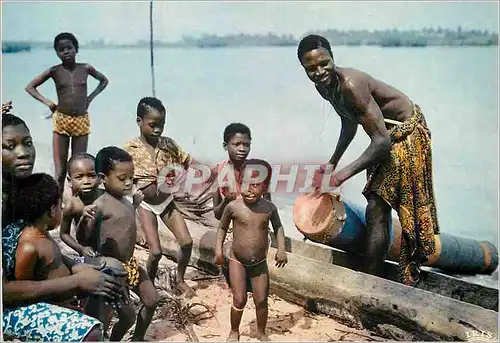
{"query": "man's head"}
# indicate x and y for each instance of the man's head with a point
(81, 173)
(315, 55)
(237, 139)
(116, 169)
(259, 177)
(151, 115)
(66, 47)
(18, 151)
(37, 199)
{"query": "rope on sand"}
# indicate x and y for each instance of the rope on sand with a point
(180, 312)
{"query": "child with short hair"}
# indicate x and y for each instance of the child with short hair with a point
(37, 202)
(116, 232)
(237, 139)
(248, 271)
(84, 184)
(70, 116)
(151, 153)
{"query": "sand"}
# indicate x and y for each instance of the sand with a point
(286, 322)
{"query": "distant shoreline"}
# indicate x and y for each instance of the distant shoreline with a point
(383, 38)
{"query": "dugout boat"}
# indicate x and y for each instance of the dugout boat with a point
(322, 278)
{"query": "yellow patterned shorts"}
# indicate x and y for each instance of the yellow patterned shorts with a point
(133, 273)
(72, 126)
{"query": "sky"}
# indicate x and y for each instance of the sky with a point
(122, 22)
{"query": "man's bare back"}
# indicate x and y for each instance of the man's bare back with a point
(393, 103)
(116, 228)
(392, 169)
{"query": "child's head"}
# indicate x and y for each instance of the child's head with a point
(81, 173)
(237, 139)
(151, 118)
(66, 46)
(38, 200)
(261, 173)
(18, 151)
(116, 169)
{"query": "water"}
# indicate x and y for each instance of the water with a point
(266, 88)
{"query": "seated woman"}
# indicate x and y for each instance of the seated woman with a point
(23, 311)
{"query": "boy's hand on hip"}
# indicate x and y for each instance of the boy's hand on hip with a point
(280, 258)
(53, 107)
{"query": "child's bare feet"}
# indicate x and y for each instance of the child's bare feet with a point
(234, 336)
(186, 290)
(261, 336)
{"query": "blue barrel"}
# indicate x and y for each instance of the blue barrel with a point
(453, 254)
(355, 226)
(464, 255)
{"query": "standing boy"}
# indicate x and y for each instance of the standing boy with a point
(70, 116)
(151, 153)
(115, 236)
(248, 271)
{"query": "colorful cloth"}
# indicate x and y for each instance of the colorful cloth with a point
(72, 126)
(133, 272)
(405, 182)
(40, 321)
(10, 239)
(47, 323)
(146, 167)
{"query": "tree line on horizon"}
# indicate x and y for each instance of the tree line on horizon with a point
(385, 38)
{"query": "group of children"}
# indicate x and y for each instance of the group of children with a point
(105, 219)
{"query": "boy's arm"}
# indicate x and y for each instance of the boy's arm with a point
(37, 81)
(26, 258)
(222, 231)
(103, 82)
(65, 229)
(279, 232)
(86, 227)
(219, 204)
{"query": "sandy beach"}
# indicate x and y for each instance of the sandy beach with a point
(206, 316)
